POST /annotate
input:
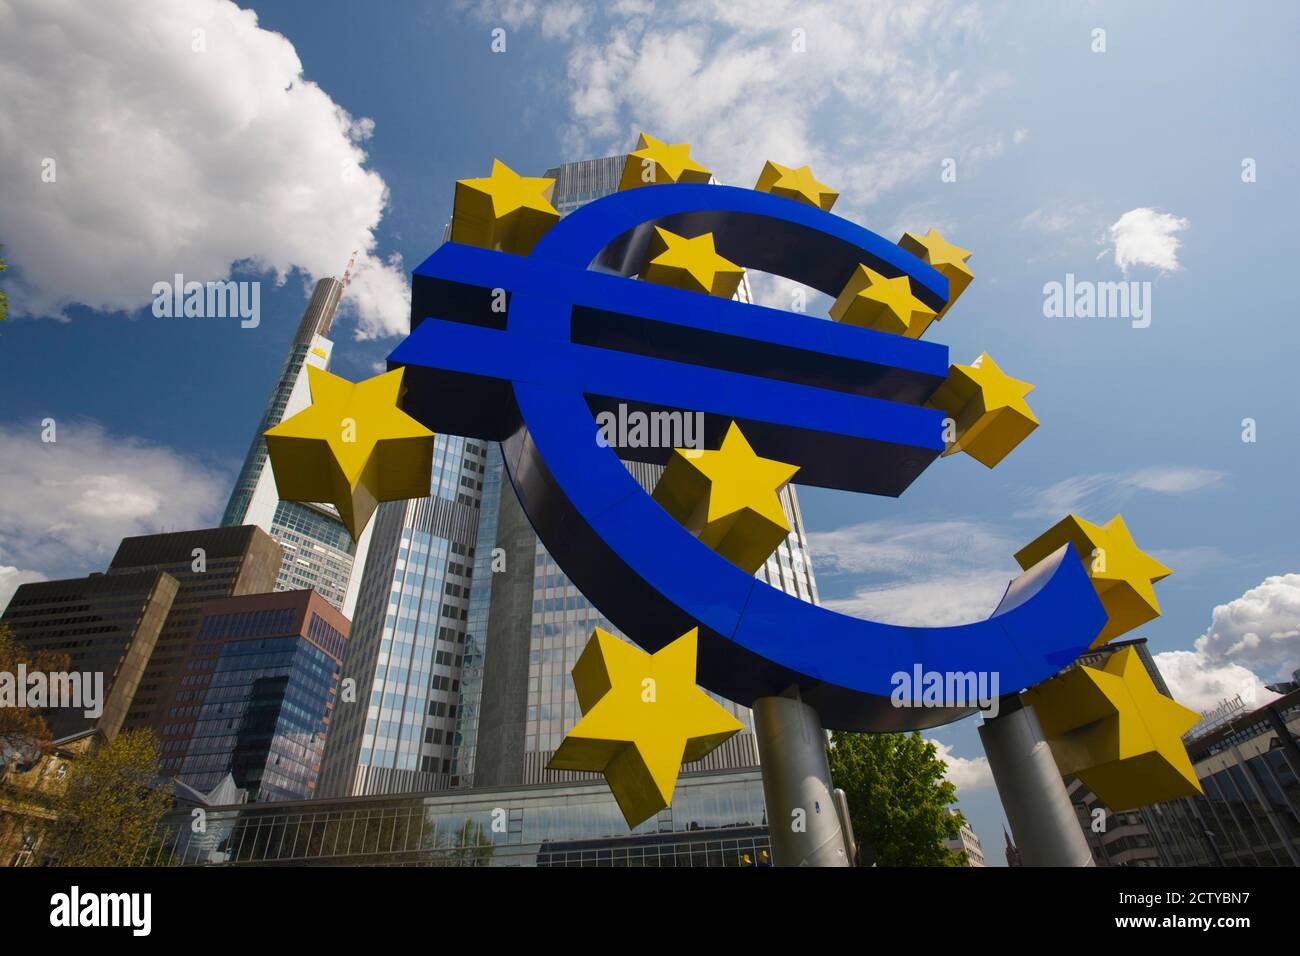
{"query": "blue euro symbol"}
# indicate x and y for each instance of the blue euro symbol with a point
(526, 350)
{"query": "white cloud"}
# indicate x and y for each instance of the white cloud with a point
(964, 773)
(955, 598)
(172, 161)
(1260, 629)
(726, 77)
(1257, 633)
(67, 504)
(1107, 490)
(926, 574)
(778, 292)
(1144, 237)
(10, 579)
(1054, 220)
(1200, 683)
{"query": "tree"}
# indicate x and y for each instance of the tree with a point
(897, 796)
(4, 299)
(24, 735)
(111, 807)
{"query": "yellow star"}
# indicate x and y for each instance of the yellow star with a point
(654, 161)
(1123, 575)
(691, 264)
(947, 259)
(872, 301)
(797, 184)
(1117, 732)
(989, 409)
(352, 447)
(505, 211)
(642, 718)
(728, 498)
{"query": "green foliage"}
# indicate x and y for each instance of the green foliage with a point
(897, 797)
(110, 810)
(22, 729)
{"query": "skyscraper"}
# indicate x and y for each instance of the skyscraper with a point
(208, 563)
(407, 647)
(466, 630)
(265, 671)
(318, 551)
(517, 699)
(106, 624)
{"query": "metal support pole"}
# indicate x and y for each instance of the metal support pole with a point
(801, 811)
(1042, 818)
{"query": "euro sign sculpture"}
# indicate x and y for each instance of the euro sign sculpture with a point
(528, 349)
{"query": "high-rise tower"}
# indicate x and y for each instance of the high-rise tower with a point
(517, 699)
(319, 552)
(466, 630)
(392, 730)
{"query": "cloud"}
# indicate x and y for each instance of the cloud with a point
(778, 292)
(1256, 633)
(926, 574)
(67, 504)
(1054, 220)
(1260, 629)
(1193, 560)
(1107, 490)
(1200, 683)
(954, 599)
(861, 92)
(1144, 237)
(171, 159)
(10, 579)
(964, 773)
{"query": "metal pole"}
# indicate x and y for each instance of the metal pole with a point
(801, 811)
(1042, 818)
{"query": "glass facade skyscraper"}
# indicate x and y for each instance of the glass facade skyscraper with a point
(208, 563)
(518, 701)
(264, 669)
(465, 629)
(318, 551)
(408, 642)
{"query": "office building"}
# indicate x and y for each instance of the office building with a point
(966, 842)
(260, 681)
(517, 699)
(318, 551)
(465, 629)
(407, 648)
(717, 819)
(1248, 763)
(207, 563)
(105, 624)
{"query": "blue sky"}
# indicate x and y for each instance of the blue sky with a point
(276, 156)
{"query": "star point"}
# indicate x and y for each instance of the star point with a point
(873, 301)
(692, 264)
(654, 162)
(946, 258)
(989, 408)
(798, 184)
(1113, 728)
(642, 717)
(353, 447)
(504, 211)
(1123, 575)
(728, 498)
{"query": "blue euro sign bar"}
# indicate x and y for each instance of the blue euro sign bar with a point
(526, 350)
